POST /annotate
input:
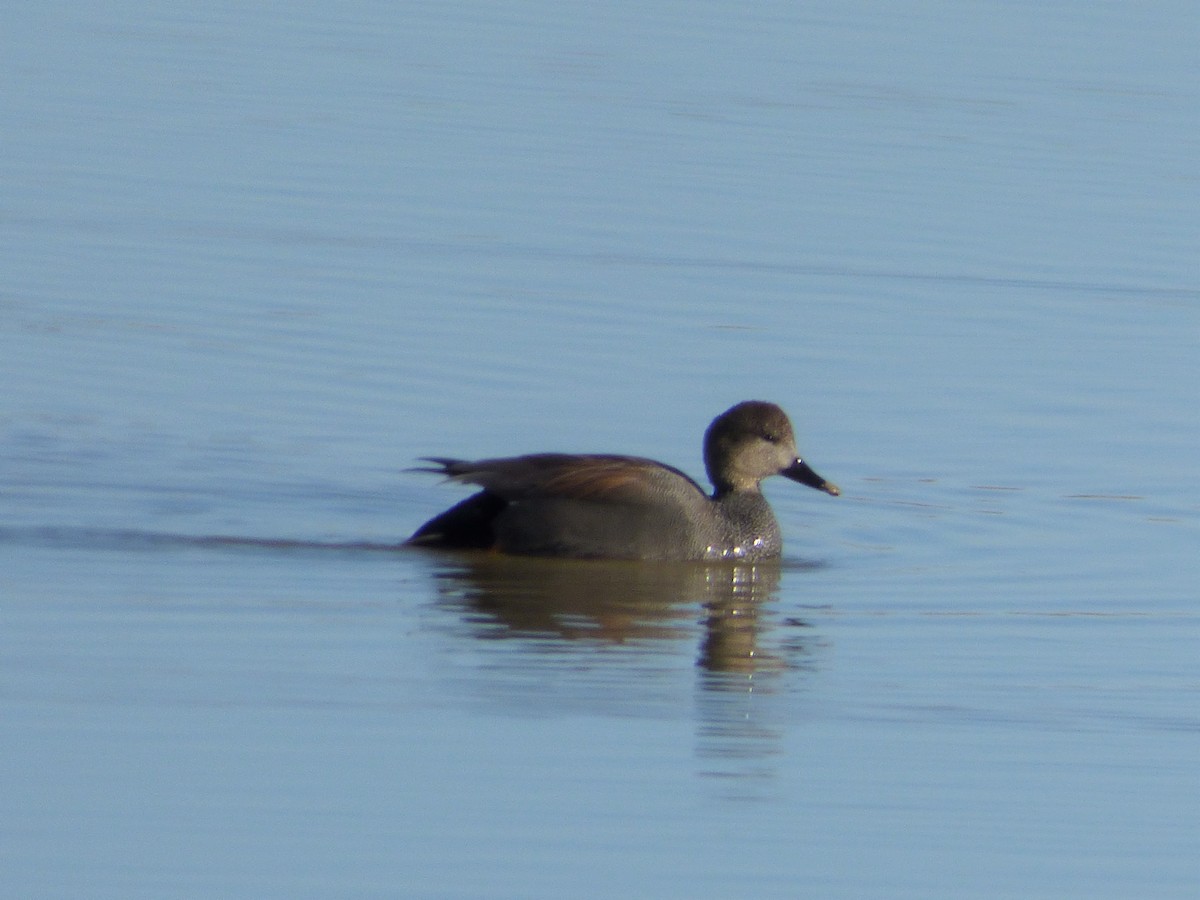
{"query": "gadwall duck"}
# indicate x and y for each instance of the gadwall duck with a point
(626, 507)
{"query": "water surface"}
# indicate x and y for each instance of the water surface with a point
(257, 261)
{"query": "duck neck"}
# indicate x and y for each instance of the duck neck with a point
(723, 489)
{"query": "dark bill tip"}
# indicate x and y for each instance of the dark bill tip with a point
(803, 473)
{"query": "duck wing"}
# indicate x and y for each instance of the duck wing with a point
(596, 478)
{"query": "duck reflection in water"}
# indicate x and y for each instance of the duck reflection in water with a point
(616, 602)
(568, 613)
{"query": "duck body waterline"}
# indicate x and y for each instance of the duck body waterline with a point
(603, 506)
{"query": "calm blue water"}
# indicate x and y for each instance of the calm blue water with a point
(258, 260)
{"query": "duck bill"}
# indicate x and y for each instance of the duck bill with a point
(803, 473)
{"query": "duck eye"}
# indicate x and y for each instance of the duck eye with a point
(771, 437)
